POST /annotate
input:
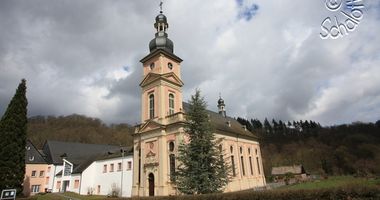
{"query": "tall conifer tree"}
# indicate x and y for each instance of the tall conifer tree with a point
(202, 169)
(13, 141)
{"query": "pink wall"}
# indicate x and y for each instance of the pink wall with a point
(30, 180)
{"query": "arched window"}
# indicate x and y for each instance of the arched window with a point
(171, 104)
(171, 160)
(220, 152)
(151, 106)
(242, 165)
(232, 161)
(233, 166)
(250, 164)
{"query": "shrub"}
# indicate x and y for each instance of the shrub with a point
(344, 193)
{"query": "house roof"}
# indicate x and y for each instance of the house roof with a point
(81, 155)
(33, 155)
(76, 153)
(225, 125)
(109, 155)
(295, 169)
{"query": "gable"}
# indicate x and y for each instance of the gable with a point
(150, 125)
(169, 77)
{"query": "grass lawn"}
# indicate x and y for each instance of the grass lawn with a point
(66, 196)
(332, 182)
(320, 189)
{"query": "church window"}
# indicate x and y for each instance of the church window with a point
(250, 164)
(242, 165)
(241, 150)
(171, 160)
(249, 151)
(258, 164)
(172, 165)
(151, 106)
(171, 146)
(171, 104)
(139, 176)
(233, 166)
(232, 149)
(151, 66)
(221, 152)
(170, 66)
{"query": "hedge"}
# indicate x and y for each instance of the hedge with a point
(344, 193)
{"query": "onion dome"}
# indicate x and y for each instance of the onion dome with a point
(221, 101)
(161, 40)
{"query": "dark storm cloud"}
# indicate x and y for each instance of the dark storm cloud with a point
(73, 55)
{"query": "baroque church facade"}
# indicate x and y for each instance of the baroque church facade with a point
(163, 112)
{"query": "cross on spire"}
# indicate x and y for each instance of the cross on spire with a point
(161, 6)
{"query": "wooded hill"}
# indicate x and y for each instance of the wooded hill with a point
(334, 150)
(77, 128)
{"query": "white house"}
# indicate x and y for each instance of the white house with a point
(89, 168)
(107, 176)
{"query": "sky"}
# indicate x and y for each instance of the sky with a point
(265, 57)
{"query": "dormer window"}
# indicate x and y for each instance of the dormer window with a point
(151, 66)
(31, 158)
(170, 66)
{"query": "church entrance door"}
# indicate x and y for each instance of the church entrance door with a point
(151, 184)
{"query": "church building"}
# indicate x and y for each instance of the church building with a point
(163, 114)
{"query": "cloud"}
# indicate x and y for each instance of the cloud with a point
(83, 57)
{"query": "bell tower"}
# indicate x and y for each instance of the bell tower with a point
(157, 138)
(161, 85)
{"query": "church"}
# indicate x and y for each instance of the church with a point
(163, 117)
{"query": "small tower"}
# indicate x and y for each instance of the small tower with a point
(221, 106)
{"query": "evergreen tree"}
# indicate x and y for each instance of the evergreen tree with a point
(256, 124)
(275, 126)
(202, 169)
(13, 141)
(267, 126)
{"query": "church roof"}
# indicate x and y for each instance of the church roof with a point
(225, 125)
(74, 152)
